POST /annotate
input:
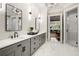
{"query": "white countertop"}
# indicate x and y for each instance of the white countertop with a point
(7, 42)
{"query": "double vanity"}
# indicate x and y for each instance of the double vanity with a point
(24, 45)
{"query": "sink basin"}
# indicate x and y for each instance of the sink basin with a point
(32, 33)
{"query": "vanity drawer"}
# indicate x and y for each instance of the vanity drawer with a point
(34, 44)
(34, 39)
(33, 49)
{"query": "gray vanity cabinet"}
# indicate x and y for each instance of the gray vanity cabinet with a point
(23, 48)
(26, 47)
(18, 49)
(34, 44)
(7, 51)
(37, 41)
(43, 38)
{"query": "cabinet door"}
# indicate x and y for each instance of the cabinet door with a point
(18, 49)
(7, 51)
(9, 54)
(40, 40)
(72, 33)
(36, 42)
(42, 37)
(26, 48)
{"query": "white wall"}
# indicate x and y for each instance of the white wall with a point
(25, 21)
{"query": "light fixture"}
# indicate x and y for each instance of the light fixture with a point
(50, 4)
(29, 12)
(40, 18)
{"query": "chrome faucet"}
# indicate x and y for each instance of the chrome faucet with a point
(15, 34)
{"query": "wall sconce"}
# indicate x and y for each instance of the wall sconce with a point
(30, 12)
(39, 18)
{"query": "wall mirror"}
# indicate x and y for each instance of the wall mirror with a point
(13, 18)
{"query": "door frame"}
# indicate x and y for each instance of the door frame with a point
(48, 26)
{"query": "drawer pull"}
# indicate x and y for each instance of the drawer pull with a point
(19, 45)
(23, 49)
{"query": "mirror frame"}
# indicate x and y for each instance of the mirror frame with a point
(7, 19)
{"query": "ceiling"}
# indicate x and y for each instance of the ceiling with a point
(55, 7)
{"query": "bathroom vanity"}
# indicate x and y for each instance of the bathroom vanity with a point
(24, 45)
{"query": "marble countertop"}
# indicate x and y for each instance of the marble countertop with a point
(9, 41)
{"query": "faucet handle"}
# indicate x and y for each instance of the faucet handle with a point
(11, 36)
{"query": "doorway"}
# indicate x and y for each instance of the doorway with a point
(55, 27)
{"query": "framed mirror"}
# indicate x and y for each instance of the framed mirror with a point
(13, 18)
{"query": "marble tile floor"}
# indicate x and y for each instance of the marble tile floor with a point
(55, 48)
